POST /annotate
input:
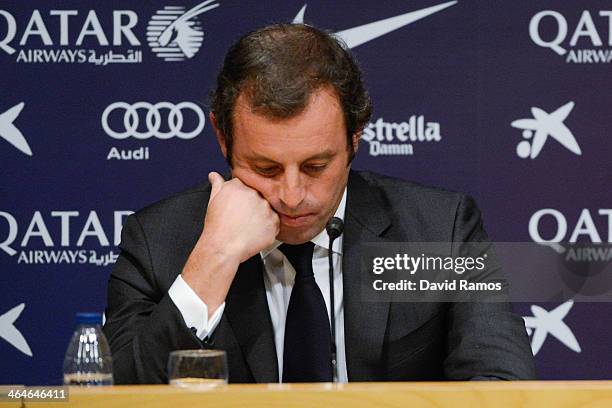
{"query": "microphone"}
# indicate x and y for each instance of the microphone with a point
(334, 229)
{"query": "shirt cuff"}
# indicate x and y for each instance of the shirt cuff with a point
(193, 309)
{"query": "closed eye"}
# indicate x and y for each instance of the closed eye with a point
(266, 171)
(315, 168)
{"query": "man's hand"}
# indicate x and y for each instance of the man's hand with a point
(239, 223)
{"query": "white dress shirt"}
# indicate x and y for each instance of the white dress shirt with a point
(278, 279)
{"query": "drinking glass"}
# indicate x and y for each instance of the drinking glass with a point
(197, 368)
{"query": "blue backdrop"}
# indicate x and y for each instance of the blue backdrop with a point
(103, 111)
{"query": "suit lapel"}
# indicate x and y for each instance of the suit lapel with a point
(247, 312)
(364, 322)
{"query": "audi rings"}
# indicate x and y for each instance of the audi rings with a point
(153, 120)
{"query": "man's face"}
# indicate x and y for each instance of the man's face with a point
(299, 165)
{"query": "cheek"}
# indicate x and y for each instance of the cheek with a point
(333, 186)
(263, 185)
(324, 191)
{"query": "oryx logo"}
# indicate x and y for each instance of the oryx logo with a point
(362, 34)
(174, 120)
(544, 322)
(175, 34)
(10, 133)
(9, 332)
(542, 125)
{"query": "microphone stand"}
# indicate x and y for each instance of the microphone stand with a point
(334, 230)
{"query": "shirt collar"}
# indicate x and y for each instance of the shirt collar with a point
(321, 239)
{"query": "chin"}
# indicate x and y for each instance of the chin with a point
(296, 236)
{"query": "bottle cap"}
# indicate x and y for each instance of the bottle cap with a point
(88, 318)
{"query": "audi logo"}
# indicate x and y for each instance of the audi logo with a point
(153, 120)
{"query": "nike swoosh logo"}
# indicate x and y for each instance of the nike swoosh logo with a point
(10, 133)
(354, 37)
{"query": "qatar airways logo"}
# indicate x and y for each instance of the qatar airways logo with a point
(585, 227)
(174, 33)
(551, 227)
(587, 42)
(399, 138)
(62, 237)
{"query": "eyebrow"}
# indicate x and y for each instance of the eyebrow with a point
(325, 155)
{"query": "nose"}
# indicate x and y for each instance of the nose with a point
(292, 189)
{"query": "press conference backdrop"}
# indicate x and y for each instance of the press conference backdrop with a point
(103, 110)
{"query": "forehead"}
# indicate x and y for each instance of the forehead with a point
(319, 126)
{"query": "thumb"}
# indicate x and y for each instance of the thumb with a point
(217, 181)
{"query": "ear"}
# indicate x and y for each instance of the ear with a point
(356, 139)
(218, 134)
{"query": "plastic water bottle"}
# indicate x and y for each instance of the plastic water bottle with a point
(88, 359)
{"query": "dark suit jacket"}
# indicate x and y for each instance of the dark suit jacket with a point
(385, 341)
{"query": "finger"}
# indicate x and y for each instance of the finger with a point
(216, 182)
(247, 188)
(236, 181)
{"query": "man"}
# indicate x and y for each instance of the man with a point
(222, 265)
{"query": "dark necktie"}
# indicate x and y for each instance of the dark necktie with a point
(307, 351)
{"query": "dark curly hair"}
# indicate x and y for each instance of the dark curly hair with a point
(278, 67)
